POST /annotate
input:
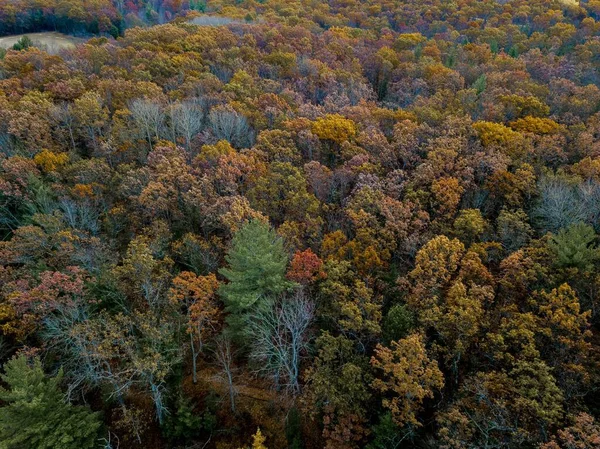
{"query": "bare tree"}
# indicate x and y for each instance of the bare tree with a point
(70, 332)
(590, 192)
(229, 125)
(148, 116)
(224, 356)
(562, 203)
(80, 215)
(187, 120)
(120, 352)
(107, 443)
(279, 338)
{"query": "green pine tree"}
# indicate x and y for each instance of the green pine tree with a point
(398, 323)
(256, 271)
(574, 246)
(480, 84)
(23, 44)
(386, 434)
(35, 414)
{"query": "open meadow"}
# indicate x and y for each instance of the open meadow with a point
(50, 41)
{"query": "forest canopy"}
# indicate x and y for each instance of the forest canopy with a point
(301, 224)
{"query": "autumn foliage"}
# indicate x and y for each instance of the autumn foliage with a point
(301, 224)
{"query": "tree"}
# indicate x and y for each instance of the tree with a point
(278, 146)
(337, 390)
(120, 352)
(91, 117)
(387, 434)
(496, 134)
(461, 319)
(409, 377)
(23, 43)
(335, 128)
(450, 288)
(196, 294)
(305, 267)
(224, 355)
(258, 440)
(143, 275)
(187, 120)
(228, 124)
(349, 302)
(564, 202)
(55, 292)
(447, 193)
(62, 116)
(398, 323)
(469, 225)
(183, 422)
(49, 161)
(436, 263)
(502, 409)
(583, 434)
(564, 337)
(513, 229)
(282, 194)
(574, 246)
(278, 337)
(256, 271)
(35, 414)
(148, 116)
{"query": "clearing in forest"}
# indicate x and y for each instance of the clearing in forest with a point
(52, 42)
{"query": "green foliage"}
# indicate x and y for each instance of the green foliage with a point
(398, 323)
(293, 429)
(513, 229)
(184, 423)
(43, 199)
(198, 5)
(339, 377)
(480, 84)
(494, 46)
(574, 246)
(256, 271)
(386, 434)
(429, 164)
(23, 43)
(35, 414)
(469, 225)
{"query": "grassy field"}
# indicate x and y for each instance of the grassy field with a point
(52, 42)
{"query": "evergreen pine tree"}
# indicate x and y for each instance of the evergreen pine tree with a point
(35, 414)
(574, 246)
(256, 271)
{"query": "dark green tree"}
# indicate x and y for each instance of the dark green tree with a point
(23, 43)
(398, 323)
(386, 434)
(35, 414)
(185, 423)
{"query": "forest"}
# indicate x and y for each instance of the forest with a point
(301, 224)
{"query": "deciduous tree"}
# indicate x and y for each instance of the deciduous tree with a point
(408, 378)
